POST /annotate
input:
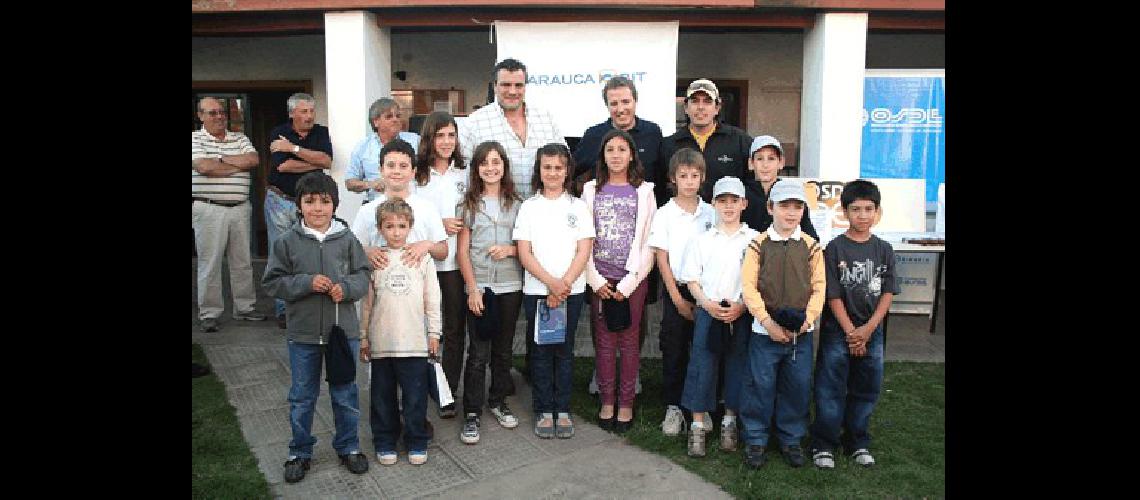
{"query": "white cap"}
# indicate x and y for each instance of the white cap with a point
(728, 185)
(762, 141)
(787, 189)
(703, 85)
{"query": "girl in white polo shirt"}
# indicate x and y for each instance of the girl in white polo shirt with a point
(555, 234)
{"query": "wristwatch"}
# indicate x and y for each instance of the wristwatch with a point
(296, 149)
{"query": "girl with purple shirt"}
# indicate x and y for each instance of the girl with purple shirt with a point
(623, 206)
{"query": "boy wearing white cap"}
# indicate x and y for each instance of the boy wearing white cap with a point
(784, 289)
(711, 268)
(765, 160)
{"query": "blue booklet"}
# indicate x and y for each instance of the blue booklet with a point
(549, 324)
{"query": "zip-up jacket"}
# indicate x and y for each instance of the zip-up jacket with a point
(785, 273)
(726, 153)
(296, 258)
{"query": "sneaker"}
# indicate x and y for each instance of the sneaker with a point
(544, 431)
(823, 459)
(253, 315)
(281, 322)
(211, 325)
(447, 411)
(418, 457)
(386, 457)
(355, 462)
(503, 414)
(470, 432)
(863, 457)
(295, 469)
(564, 427)
(728, 436)
(674, 421)
(755, 456)
(697, 440)
(794, 455)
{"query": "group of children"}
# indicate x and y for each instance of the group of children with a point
(736, 296)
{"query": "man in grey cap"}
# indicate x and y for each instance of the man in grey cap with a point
(724, 146)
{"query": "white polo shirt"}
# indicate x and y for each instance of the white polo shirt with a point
(673, 228)
(427, 226)
(445, 191)
(714, 259)
(553, 228)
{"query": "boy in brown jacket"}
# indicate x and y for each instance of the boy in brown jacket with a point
(783, 281)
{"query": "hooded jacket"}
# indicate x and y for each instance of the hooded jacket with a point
(296, 258)
(726, 153)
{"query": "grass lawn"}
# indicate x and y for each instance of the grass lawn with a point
(222, 465)
(908, 428)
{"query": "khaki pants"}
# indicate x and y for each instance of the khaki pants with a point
(222, 232)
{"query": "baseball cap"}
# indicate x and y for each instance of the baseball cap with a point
(765, 140)
(703, 85)
(728, 185)
(787, 189)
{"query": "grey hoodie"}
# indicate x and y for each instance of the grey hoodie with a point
(296, 258)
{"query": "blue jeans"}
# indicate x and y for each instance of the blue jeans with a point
(777, 384)
(552, 366)
(305, 363)
(699, 392)
(846, 390)
(280, 216)
(384, 416)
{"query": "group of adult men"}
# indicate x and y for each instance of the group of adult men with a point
(222, 162)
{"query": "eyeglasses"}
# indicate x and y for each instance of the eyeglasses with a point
(213, 112)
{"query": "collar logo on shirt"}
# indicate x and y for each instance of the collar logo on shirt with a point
(571, 221)
(725, 158)
(460, 188)
(708, 225)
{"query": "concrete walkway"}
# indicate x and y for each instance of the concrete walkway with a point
(252, 361)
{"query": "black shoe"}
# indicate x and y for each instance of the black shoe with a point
(281, 322)
(755, 456)
(295, 469)
(622, 427)
(209, 325)
(447, 411)
(607, 424)
(355, 461)
(794, 455)
(198, 370)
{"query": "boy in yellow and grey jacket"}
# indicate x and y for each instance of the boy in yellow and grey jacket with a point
(783, 280)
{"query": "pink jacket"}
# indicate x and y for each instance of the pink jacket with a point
(640, 259)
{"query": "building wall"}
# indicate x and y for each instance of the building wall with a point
(445, 60)
(906, 51)
(263, 58)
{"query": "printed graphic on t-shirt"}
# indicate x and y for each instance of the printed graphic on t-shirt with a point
(398, 282)
(862, 277)
(614, 218)
(460, 188)
(571, 221)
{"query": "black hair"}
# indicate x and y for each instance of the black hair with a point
(511, 65)
(860, 189)
(398, 145)
(553, 149)
(317, 182)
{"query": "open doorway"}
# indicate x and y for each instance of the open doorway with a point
(255, 107)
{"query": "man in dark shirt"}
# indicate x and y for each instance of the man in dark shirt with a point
(724, 146)
(620, 96)
(296, 147)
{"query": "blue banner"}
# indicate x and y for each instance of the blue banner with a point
(903, 136)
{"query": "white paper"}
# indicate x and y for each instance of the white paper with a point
(445, 397)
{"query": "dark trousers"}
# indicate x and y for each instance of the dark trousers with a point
(384, 416)
(552, 365)
(497, 351)
(675, 341)
(454, 310)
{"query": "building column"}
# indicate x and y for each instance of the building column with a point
(835, 51)
(358, 70)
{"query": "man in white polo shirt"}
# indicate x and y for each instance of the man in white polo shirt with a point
(220, 180)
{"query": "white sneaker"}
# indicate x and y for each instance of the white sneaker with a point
(386, 457)
(417, 457)
(503, 414)
(823, 460)
(674, 421)
(863, 457)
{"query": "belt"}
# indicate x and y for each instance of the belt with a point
(215, 202)
(279, 192)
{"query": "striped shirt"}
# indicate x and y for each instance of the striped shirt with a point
(490, 124)
(234, 187)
